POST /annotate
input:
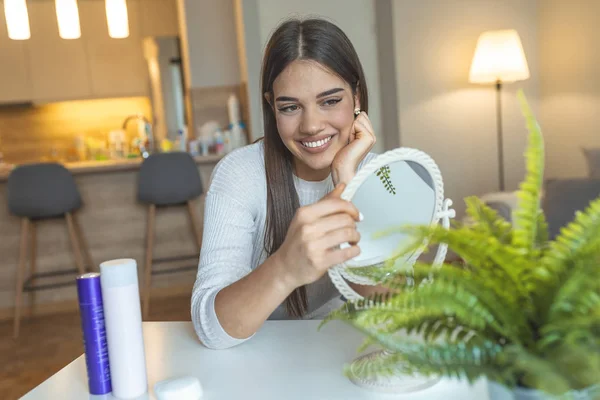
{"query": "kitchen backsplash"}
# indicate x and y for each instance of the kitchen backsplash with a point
(31, 133)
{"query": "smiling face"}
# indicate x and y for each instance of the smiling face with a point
(314, 110)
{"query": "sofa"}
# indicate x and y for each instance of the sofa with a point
(561, 199)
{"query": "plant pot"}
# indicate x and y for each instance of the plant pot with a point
(500, 392)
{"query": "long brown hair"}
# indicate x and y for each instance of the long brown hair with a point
(311, 39)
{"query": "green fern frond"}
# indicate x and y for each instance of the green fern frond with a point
(526, 216)
(535, 372)
(442, 299)
(578, 363)
(481, 251)
(578, 239)
(432, 325)
(367, 342)
(487, 220)
(489, 292)
(583, 327)
(458, 360)
(542, 232)
(385, 273)
(579, 295)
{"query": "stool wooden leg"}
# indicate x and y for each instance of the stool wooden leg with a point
(32, 264)
(84, 245)
(20, 272)
(148, 263)
(74, 243)
(195, 228)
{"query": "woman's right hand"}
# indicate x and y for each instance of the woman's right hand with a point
(311, 245)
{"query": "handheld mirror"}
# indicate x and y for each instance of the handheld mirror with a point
(400, 187)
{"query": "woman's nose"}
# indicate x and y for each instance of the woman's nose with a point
(312, 122)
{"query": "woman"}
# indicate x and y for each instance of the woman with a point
(273, 225)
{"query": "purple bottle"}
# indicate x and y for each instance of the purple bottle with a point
(94, 333)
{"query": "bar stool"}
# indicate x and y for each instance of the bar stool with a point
(36, 192)
(167, 180)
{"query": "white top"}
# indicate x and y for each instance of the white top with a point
(233, 239)
(288, 360)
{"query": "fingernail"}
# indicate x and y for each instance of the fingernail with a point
(344, 245)
(360, 216)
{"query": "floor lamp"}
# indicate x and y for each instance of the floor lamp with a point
(499, 58)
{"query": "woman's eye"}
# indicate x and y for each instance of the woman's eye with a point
(288, 109)
(331, 102)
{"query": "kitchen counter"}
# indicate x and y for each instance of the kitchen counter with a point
(93, 167)
(114, 226)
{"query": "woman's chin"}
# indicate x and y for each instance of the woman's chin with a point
(319, 163)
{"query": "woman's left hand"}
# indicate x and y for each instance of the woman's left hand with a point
(346, 161)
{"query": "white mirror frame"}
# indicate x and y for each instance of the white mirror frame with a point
(442, 211)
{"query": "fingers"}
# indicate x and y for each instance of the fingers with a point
(336, 192)
(332, 223)
(332, 206)
(363, 131)
(338, 256)
(363, 121)
(335, 238)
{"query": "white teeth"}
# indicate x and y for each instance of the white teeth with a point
(318, 143)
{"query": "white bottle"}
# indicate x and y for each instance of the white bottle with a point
(124, 335)
(182, 139)
(228, 144)
(233, 109)
(238, 135)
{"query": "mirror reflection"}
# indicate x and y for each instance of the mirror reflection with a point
(396, 194)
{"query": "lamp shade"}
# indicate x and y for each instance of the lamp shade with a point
(499, 56)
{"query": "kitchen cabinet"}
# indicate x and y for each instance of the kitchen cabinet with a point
(117, 66)
(15, 86)
(158, 18)
(47, 68)
(58, 68)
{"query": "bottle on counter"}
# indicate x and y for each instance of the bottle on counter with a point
(236, 126)
(228, 144)
(233, 109)
(123, 319)
(219, 142)
(81, 148)
(116, 143)
(238, 135)
(205, 134)
(182, 139)
(91, 310)
(149, 135)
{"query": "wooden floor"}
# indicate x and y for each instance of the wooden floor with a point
(48, 343)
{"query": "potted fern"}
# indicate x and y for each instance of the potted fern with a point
(520, 310)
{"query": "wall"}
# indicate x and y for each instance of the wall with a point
(440, 112)
(345, 13)
(569, 83)
(31, 133)
(211, 64)
(209, 36)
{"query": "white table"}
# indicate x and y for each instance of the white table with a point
(284, 360)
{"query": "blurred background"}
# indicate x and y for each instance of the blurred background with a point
(98, 86)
